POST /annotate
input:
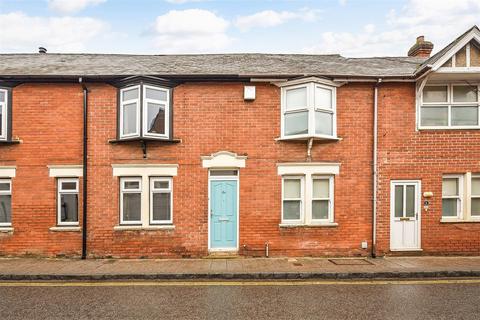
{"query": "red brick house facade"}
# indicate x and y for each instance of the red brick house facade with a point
(185, 156)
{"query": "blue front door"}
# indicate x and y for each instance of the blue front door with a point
(223, 214)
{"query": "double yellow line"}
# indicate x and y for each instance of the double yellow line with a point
(230, 283)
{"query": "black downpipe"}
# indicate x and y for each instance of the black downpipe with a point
(85, 150)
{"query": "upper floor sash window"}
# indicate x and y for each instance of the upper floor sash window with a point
(308, 110)
(144, 112)
(450, 106)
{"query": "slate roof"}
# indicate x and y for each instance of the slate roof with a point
(196, 65)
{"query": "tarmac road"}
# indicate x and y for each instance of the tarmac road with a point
(416, 299)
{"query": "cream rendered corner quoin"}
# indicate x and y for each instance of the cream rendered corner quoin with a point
(354, 157)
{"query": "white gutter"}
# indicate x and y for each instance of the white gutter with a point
(375, 146)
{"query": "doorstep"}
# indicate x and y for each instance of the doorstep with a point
(223, 255)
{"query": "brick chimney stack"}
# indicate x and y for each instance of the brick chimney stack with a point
(421, 48)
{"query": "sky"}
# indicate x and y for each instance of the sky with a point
(352, 28)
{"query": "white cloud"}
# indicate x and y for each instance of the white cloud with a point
(183, 1)
(271, 18)
(71, 6)
(23, 33)
(343, 3)
(369, 28)
(439, 20)
(192, 30)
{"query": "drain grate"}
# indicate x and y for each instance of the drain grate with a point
(350, 262)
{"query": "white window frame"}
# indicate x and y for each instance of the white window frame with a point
(166, 104)
(473, 196)
(126, 191)
(331, 110)
(144, 172)
(4, 109)
(301, 199)
(311, 109)
(8, 193)
(331, 188)
(449, 104)
(126, 102)
(153, 190)
(459, 197)
(60, 192)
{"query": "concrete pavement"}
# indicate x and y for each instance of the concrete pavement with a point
(239, 268)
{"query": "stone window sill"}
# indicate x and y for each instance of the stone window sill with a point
(142, 228)
(315, 225)
(458, 221)
(307, 137)
(6, 229)
(65, 229)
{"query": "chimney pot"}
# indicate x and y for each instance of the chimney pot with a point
(421, 48)
(42, 50)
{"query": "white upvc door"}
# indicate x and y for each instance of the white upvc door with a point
(405, 216)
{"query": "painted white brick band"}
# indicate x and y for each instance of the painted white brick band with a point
(65, 171)
(144, 170)
(8, 172)
(308, 168)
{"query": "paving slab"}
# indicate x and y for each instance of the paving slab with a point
(240, 268)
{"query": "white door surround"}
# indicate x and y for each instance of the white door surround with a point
(223, 162)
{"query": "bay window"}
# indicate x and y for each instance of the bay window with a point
(308, 110)
(144, 112)
(454, 106)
